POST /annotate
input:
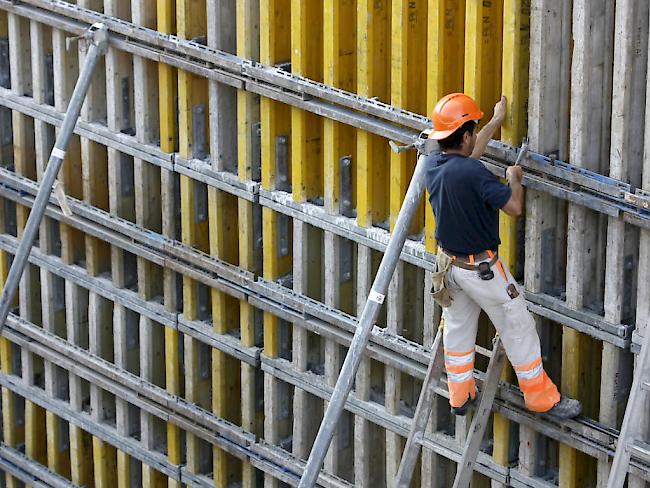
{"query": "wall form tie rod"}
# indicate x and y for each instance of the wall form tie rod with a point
(366, 322)
(558, 178)
(98, 37)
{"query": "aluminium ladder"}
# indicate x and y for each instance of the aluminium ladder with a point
(423, 411)
(629, 439)
(97, 35)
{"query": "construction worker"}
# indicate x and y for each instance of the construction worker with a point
(466, 198)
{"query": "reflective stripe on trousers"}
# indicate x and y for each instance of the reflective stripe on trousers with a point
(513, 322)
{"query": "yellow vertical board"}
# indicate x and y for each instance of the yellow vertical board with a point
(226, 377)
(373, 80)
(167, 86)
(483, 43)
(191, 18)
(275, 30)
(445, 69)
(408, 77)
(516, 53)
(306, 127)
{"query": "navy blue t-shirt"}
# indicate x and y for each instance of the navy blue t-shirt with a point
(465, 198)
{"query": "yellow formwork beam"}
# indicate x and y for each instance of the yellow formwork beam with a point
(483, 45)
(306, 127)
(408, 77)
(167, 88)
(445, 70)
(191, 22)
(226, 370)
(373, 80)
(516, 54)
(248, 107)
(275, 47)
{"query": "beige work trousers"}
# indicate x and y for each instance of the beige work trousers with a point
(513, 322)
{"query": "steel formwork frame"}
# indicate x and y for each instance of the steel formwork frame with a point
(231, 215)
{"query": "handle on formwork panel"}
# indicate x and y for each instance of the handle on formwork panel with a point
(97, 35)
(366, 322)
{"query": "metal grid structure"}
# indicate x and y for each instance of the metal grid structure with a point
(232, 189)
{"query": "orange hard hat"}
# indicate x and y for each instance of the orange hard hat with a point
(451, 112)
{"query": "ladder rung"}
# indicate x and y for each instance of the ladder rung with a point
(641, 451)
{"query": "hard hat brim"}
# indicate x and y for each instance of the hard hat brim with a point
(443, 134)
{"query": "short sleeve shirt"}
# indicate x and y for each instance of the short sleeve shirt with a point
(465, 198)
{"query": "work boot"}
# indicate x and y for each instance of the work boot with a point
(566, 408)
(462, 410)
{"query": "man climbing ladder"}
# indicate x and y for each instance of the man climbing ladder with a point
(465, 198)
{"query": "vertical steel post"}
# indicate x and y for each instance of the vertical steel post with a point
(98, 37)
(366, 323)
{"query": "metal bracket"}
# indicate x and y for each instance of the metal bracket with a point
(127, 127)
(256, 151)
(422, 144)
(346, 251)
(199, 146)
(282, 163)
(96, 33)
(345, 186)
(200, 202)
(283, 235)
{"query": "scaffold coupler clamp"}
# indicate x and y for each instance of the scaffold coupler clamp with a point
(96, 33)
(422, 144)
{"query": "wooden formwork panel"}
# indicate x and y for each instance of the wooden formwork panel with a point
(315, 178)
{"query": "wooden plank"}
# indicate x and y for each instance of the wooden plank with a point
(408, 76)
(516, 48)
(372, 170)
(192, 117)
(339, 46)
(248, 116)
(66, 65)
(544, 264)
(588, 143)
(120, 116)
(445, 72)
(148, 212)
(223, 211)
(167, 89)
(307, 184)
(25, 164)
(275, 47)
(626, 152)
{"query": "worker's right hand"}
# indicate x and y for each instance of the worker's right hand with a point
(514, 173)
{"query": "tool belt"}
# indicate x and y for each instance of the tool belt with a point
(467, 262)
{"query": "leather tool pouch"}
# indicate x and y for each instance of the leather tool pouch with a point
(439, 287)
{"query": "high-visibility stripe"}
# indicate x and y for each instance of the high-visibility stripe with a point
(464, 359)
(460, 377)
(530, 374)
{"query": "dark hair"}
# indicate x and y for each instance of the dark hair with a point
(455, 140)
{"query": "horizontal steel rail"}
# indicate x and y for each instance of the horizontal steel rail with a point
(146, 396)
(585, 435)
(30, 472)
(562, 180)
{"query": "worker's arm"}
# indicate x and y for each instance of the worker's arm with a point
(515, 205)
(486, 133)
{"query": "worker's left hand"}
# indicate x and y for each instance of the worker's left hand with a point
(500, 111)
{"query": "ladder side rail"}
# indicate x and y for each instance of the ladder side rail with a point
(366, 322)
(480, 420)
(630, 428)
(422, 413)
